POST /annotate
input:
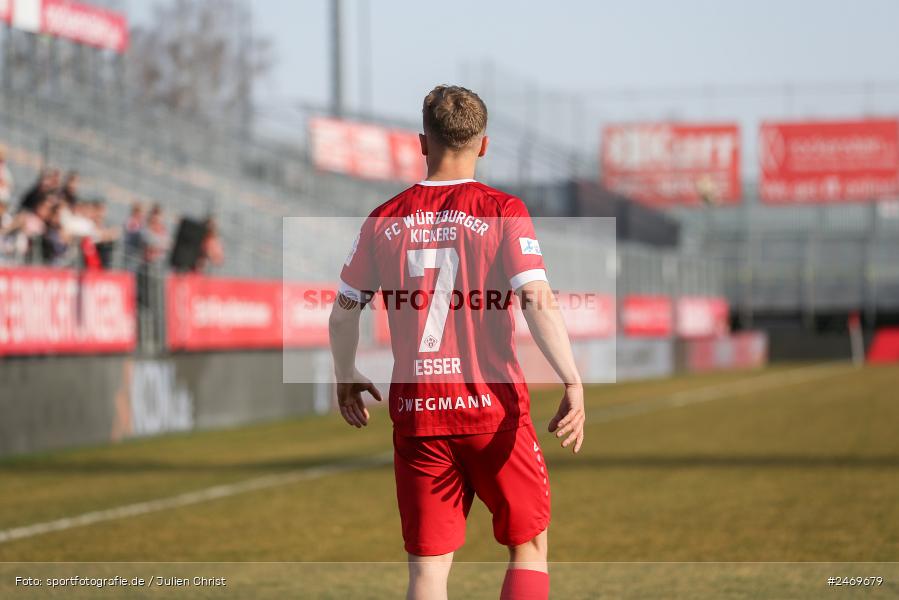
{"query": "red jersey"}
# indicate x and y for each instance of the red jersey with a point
(447, 257)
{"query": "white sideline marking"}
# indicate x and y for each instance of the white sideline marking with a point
(612, 413)
(718, 391)
(188, 498)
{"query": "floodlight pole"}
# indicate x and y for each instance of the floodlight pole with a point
(336, 60)
(365, 58)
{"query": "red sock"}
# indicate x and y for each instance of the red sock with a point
(524, 584)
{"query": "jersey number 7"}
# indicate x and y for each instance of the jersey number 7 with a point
(446, 261)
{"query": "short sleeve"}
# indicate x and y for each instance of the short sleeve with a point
(359, 276)
(522, 257)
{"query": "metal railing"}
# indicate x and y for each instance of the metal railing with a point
(807, 260)
(190, 170)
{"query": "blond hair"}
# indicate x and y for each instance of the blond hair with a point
(454, 115)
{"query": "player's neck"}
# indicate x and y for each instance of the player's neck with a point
(451, 170)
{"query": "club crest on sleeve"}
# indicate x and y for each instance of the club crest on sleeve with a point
(352, 253)
(529, 246)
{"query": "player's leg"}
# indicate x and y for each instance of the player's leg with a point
(434, 500)
(531, 554)
(428, 576)
(508, 473)
(527, 577)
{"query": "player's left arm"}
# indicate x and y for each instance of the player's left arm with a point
(547, 327)
(343, 327)
(523, 262)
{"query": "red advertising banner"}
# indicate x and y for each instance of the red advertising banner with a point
(82, 23)
(85, 24)
(204, 313)
(665, 164)
(884, 347)
(211, 313)
(307, 310)
(700, 316)
(647, 316)
(744, 350)
(366, 150)
(47, 311)
(829, 161)
(408, 162)
(587, 315)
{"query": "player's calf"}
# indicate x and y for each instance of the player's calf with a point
(527, 577)
(428, 576)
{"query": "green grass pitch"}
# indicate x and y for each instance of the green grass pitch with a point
(694, 486)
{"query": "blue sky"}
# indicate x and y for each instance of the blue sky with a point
(571, 45)
(563, 48)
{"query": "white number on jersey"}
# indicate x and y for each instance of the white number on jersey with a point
(446, 261)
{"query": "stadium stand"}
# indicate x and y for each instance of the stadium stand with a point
(128, 157)
(799, 262)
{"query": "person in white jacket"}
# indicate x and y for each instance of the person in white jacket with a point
(7, 184)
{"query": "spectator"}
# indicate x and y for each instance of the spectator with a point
(134, 241)
(70, 187)
(155, 237)
(89, 255)
(6, 180)
(55, 242)
(105, 237)
(77, 219)
(211, 251)
(47, 183)
(155, 245)
(7, 242)
(28, 226)
(5, 217)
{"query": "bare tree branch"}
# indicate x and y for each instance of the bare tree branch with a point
(201, 58)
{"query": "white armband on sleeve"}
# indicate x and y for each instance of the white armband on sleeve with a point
(345, 289)
(527, 277)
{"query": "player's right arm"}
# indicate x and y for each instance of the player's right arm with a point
(541, 311)
(343, 327)
(358, 282)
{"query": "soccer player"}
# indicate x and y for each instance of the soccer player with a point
(447, 255)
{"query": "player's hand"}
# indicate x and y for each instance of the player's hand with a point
(569, 420)
(349, 399)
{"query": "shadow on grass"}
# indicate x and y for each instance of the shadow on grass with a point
(649, 461)
(137, 467)
(699, 461)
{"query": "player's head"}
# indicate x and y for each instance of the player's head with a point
(455, 121)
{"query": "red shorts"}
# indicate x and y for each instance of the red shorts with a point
(437, 478)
